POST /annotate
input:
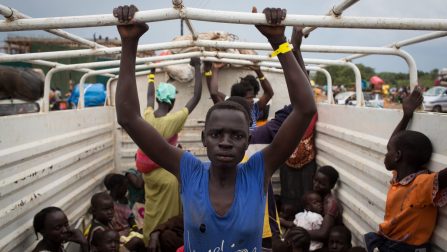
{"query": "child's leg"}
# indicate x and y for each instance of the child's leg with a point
(375, 241)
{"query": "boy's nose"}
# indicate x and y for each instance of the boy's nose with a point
(225, 141)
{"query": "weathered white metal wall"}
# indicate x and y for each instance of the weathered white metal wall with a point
(52, 159)
(353, 140)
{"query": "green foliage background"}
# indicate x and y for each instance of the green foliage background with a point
(342, 75)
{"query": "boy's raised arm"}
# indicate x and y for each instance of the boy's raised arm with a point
(409, 105)
(212, 77)
(127, 104)
(192, 103)
(266, 88)
(300, 94)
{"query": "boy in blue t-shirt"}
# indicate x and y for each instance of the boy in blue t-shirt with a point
(223, 200)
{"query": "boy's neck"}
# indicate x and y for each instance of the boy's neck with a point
(404, 171)
(102, 223)
(162, 110)
(223, 177)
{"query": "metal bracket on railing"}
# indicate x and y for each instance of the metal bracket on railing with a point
(177, 4)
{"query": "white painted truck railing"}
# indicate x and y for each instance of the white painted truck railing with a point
(336, 11)
(223, 44)
(216, 56)
(13, 14)
(227, 17)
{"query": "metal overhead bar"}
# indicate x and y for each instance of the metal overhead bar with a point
(208, 56)
(402, 43)
(114, 70)
(13, 14)
(336, 11)
(227, 17)
(239, 45)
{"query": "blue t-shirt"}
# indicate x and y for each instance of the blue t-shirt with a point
(240, 229)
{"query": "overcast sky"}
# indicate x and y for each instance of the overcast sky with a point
(428, 55)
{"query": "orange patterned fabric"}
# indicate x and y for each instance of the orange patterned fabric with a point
(412, 208)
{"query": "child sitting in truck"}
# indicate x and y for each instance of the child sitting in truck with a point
(223, 201)
(117, 186)
(105, 241)
(103, 212)
(310, 218)
(52, 224)
(415, 193)
(339, 239)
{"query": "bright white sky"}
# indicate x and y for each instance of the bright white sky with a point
(428, 55)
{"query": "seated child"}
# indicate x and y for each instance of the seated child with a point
(117, 185)
(105, 241)
(311, 218)
(298, 240)
(339, 239)
(415, 193)
(52, 224)
(103, 219)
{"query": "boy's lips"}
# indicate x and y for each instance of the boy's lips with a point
(224, 157)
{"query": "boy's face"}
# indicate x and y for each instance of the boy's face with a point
(56, 227)
(392, 155)
(103, 210)
(250, 96)
(338, 242)
(314, 203)
(109, 242)
(322, 184)
(226, 137)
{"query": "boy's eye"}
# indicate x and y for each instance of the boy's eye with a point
(238, 136)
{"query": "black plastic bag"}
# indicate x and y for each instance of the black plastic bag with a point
(20, 83)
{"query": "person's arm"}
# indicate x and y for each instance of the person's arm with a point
(192, 103)
(75, 235)
(212, 81)
(266, 88)
(300, 94)
(154, 242)
(442, 179)
(409, 105)
(151, 89)
(127, 105)
(135, 180)
(323, 233)
(296, 40)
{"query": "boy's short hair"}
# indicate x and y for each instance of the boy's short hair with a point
(415, 146)
(113, 179)
(228, 104)
(99, 196)
(240, 89)
(253, 82)
(331, 173)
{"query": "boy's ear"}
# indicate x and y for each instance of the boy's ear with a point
(398, 156)
(203, 138)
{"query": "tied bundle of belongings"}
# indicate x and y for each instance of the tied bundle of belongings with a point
(185, 73)
(20, 83)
